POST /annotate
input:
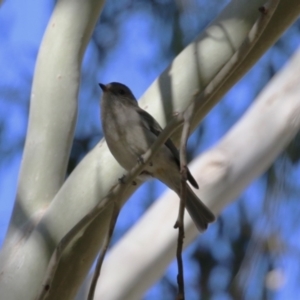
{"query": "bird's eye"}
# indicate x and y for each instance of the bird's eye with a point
(121, 92)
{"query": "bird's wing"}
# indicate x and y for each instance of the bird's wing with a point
(151, 124)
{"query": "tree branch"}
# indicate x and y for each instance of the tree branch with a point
(103, 252)
(180, 219)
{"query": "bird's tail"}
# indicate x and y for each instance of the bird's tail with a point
(198, 211)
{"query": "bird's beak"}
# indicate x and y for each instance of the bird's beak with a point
(103, 87)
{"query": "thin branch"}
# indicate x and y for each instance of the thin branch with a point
(116, 192)
(180, 219)
(102, 254)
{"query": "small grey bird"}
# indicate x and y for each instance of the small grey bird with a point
(130, 131)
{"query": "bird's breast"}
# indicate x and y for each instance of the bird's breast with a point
(122, 132)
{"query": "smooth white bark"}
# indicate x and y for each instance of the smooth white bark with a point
(244, 153)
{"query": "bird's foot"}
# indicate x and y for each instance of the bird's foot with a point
(140, 160)
(122, 179)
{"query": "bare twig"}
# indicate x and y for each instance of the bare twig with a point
(180, 219)
(112, 197)
(102, 254)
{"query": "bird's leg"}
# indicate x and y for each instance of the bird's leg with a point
(122, 179)
(141, 161)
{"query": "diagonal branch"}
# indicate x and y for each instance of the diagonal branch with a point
(102, 254)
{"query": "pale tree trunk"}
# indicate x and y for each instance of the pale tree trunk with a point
(37, 227)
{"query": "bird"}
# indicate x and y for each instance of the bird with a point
(130, 131)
